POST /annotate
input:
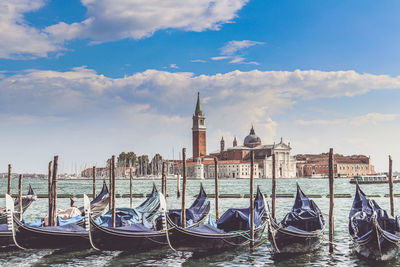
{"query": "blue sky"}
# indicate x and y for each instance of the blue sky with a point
(88, 79)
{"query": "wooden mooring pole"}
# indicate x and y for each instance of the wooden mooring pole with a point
(183, 212)
(164, 179)
(252, 200)
(216, 189)
(391, 186)
(9, 180)
(273, 185)
(331, 201)
(110, 185)
(113, 190)
(130, 188)
(178, 186)
(50, 194)
(20, 197)
(94, 182)
(54, 189)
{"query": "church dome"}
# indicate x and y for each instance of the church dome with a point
(252, 140)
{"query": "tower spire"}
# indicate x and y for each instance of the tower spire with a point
(199, 109)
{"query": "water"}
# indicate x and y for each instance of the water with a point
(343, 255)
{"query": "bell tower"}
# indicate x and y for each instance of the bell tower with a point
(199, 131)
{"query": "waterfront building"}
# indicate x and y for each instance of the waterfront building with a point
(311, 165)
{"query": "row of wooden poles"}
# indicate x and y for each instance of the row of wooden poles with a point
(52, 188)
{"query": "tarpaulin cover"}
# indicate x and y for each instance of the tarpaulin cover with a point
(137, 227)
(62, 222)
(193, 214)
(239, 219)
(4, 228)
(305, 214)
(207, 229)
(127, 216)
(66, 228)
(103, 194)
(361, 217)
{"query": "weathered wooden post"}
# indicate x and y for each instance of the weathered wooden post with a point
(20, 197)
(216, 189)
(110, 185)
(130, 188)
(178, 186)
(9, 180)
(391, 186)
(252, 200)
(54, 187)
(113, 191)
(50, 194)
(273, 185)
(331, 201)
(164, 179)
(184, 187)
(94, 182)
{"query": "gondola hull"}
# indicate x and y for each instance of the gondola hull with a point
(290, 242)
(42, 238)
(371, 248)
(186, 240)
(6, 239)
(108, 238)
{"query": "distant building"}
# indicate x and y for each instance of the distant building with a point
(312, 165)
(234, 162)
(104, 172)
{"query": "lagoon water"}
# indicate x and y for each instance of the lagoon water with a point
(343, 255)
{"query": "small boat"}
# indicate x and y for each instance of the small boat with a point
(195, 214)
(143, 235)
(231, 231)
(373, 179)
(374, 233)
(27, 200)
(300, 231)
(68, 233)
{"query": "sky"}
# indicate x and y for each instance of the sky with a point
(91, 78)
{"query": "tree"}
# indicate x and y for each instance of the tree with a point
(126, 159)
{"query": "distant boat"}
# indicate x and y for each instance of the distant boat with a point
(373, 179)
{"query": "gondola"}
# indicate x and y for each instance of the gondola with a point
(143, 236)
(69, 235)
(195, 214)
(231, 231)
(6, 239)
(374, 233)
(27, 200)
(300, 231)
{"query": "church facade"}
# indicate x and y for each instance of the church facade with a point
(234, 162)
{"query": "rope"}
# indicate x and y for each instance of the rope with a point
(259, 244)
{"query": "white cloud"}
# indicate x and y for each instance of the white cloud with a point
(155, 107)
(198, 61)
(18, 39)
(233, 50)
(233, 47)
(367, 119)
(173, 66)
(110, 20)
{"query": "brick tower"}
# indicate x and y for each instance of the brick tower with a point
(199, 131)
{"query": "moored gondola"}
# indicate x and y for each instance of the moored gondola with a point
(143, 235)
(27, 200)
(67, 234)
(300, 231)
(230, 232)
(374, 233)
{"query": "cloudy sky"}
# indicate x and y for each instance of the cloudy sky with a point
(91, 78)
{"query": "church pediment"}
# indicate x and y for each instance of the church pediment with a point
(281, 146)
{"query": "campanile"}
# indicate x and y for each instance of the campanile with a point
(199, 131)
